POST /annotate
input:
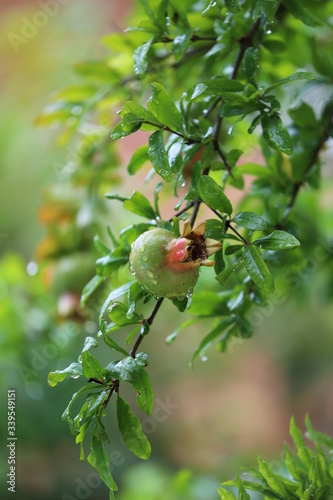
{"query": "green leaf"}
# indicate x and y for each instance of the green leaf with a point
(232, 5)
(150, 12)
(89, 342)
(115, 294)
(231, 249)
(242, 494)
(301, 75)
(302, 451)
(297, 9)
(112, 237)
(225, 275)
(158, 155)
(219, 265)
(276, 134)
(100, 245)
(226, 495)
(114, 346)
(127, 369)
(273, 481)
(125, 128)
(213, 195)
(257, 269)
(172, 337)
(180, 304)
(138, 204)
(250, 220)
(99, 459)
(144, 392)
(66, 416)
(215, 229)
(175, 155)
(266, 8)
(254, 486)
(115, 196)
(291, 465)
(134, 108)
(251, 63)
(74, 370)
(74, 93)
(139, 158)
(277, 240)
(131, 431)
(132, 334)
(209, 339)
(226, 338)
(110, 263)
(90, 287)
(131, 123)
(164, 109)
(210, 304)
(157, 190)
(140, 58)
(316, 436)
(303, 115)
(275, 45)
(180, 45)
(118, 315)
(233, 156)
(92, 367)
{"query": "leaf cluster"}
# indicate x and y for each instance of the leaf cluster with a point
(304, 475)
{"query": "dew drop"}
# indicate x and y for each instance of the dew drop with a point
(142, 249)
(132, 271)
(145, 258)
(154, 282)
(77, 110)
(204, 358)
(32, 268)
(149, 274)
(71, 121)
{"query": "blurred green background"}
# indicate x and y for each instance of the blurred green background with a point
(210, 420)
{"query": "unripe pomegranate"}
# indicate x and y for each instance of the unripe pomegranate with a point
(167, 266)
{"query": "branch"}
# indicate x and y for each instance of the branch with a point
(182, 211)
(245, 42)
(150, 321)
(229, 226)
(313, 159)
(193, 38)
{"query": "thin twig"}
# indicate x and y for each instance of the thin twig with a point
(229, 226)
(150, 321)
(312, 161)
(195, 212)
(182, 211)
(245, 42)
